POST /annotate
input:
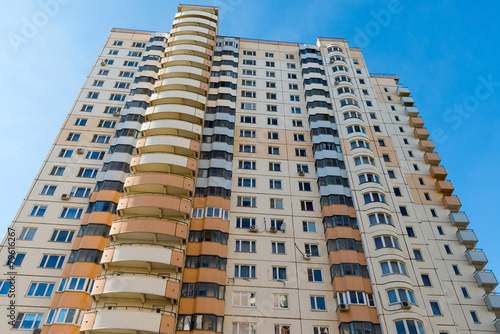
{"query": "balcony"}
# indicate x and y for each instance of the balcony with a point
(426, 145)
(169, 183)
(149, 229)
(407, 101)
(452, 203)
(486, 279)
(438, 172)
(411, 111)
(445, 187)
(467, 238)
(432, 159)
(152, 204)
(492, 302)
(476, 258)
(416, 122)
(121, 319)
(421, 133)
(497, 325)
(142, 255)
(459, 219)
(130, 285)
(403, 91)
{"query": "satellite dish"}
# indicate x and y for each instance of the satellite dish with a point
(283, 227)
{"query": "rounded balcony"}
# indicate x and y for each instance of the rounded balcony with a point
(164, 162)
(143, 256)
(201, 29)
(196, 13)
(168, 144)
(194, 21)
(141, 204)
(191, 39)
(136, 285)
(183, 84)
(156, 182)
(124, 319)
(171, 127)
(144, 228)
(188, 47)
(184, 71)
(179, 97)
(179, 112)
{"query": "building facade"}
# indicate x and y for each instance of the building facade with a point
(213, 184)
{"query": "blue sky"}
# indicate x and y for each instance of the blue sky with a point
(444, 51)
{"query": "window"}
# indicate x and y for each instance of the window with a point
(364, 160)
(292, 76)
(415, 167)
(249, 72)
(302, 168)
(358, 71)
(277, 247)
(126, 74)
(247, 148)
(393, 267)
(244, 271)
(373, 197)
(92, 95)
(433, 213)
(397, 192)
(87, 172)
(270, 74)
(81, 122)
(28, 321)
(272, 135)
(27, 233)
(138, 45)
(365, 92)
(38, 211)
(247, 119)
(134, 54)
(418, 255)
(379, 218)
(294, 97)
(277, 223)
(270, 84)
(465, 292)
(386, 157)
(117, 97)
(249, 106)
(98, 83)
(391, 174)
(197, 213)
(401, 129)
(304, 186)
(314, 275)
(440, 230)
(318, 303)
(40, 289)
(474, 316)
(249, 202)
(245, 246)
(376, 128)
(48, 190)
(73, 137)
(246, 182)
(359, 144)
(87, 108)
(369, 103)
(311, 249)
(270, 64)
(403, 210)
(298, 137)
(362, 81)
(244, 299)
(62, 236)
(447, 249)
(291, 65)
(297, 123)
(273, 150)
(271, 96)
(300, 152)
(306, 206)
(101, 139)
(393, 108)
(436, 310)
(279, 273)
(57, 170)
(455, 269)
(293, 86)
(249, 62)
(130, 63)
(427, 196)
(400, 295)
(245, 93)
(269, 54)
(386, 242)
(275, 184)
(249, 53)
(355, 128)
(396, 118)
(124, 85)
(271, 107)
(95, 155)
(281, 301)
(320, 330)
(275, 166)
(16, 260)
(113, 52)
(248, 82)
(247, 133)
(245, 222)
(409, 327)
(276, 203)
(381, 142)
(71, 213)
(309, 227)
(421, 181)
(103, 72)
(243, 328)
(245, 164)
(4, 287)
(410, 232)
(426, 280)
(52, 261)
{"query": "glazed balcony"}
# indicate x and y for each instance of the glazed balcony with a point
(149, 229)
(445, 187)
(407, 101)
(421, 133)
(161, 183)
(411, 111)
(486, 279)
(168, 144)
(143, 256)
(476, 258)
(432, 159)
(438, 172)
(136, 285)
(467, 238)
(416, 122)
(452, 203)
(125, 319)
(403, 91)
(426, 145)
(153, 204)
(164, 162)
(459, 219)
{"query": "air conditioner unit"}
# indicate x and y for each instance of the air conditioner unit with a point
(116, 113)
(343, 307)
(406, 305)
(253, 228)
(337, 83)
(307, 256)
(273, 229)
(65, 197)
(301, 173)
(103, 63)
(80, 150)
(37, 331)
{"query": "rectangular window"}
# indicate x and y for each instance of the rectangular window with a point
(277, 247)
(269, 54)
(415, 167)
(281, 301)
(101, 139)
(247, 148)
(245, 246)
(270, 84)
(275, 166)
(247, 133)
(309, 227)
(81, 122)
(124, 85)
(386, 157)
(62, 236)
(113, 52)
(275, 184)
(311, 249)
(80, 192)
(314, 275)
(52, 261)
(474, 316)
(273, 150)
(246, 182)
(292, 76)
(298, 137)
(318, 303)
(16, 260)
(427, 196)
(272, 121)
(403, 210)
(426, 280)
(87, 108)
(421, 181)
(245, 164)
(48, 190)
(38, 211)
(249, 72)
(297, 123)
(272, 135)
(74, 213)
(244, 271)
(293, 86)
(271, 96)
(117, 97)
(245, 222)
(138, 45)
(40, 289)
(418, 255)
(304, 186)
(103, 72)
(197, 213)
(57, 170)
(98, 83)
(435, 309)
(320, 330)
(465, 292)
(87, 172)
(244, 299)
(4, 287)
(397, 192)
(455, 269)
(248, 106)
(295, 98)
(291, 65)
(433, 213)
(302, 168)
(447, 249)
(27, 233)
(306, 206)
(126, 74)
(28, 321)
(270, 74)
(130, 63)
(95, 155)
(249, 62)
(271, 107)
(134, 54)
(410, 232)
(296, 110)
(276, 203)
(93, 95)
(249, 202)
(391, 174)
(270, 64)
(73, 137)
(279, 273)
(249, 53)
(247, 119)
(440, 230)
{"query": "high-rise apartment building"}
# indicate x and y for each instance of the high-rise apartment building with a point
(212, 184)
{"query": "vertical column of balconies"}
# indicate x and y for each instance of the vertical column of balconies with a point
(143, 265)
(348, 265)
(203, 286)
(73, 294)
